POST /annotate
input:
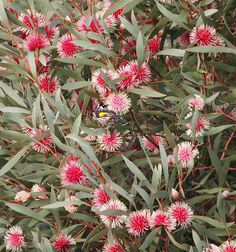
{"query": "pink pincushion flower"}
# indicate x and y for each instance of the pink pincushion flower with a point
(182, 213)
(196, 103)
(133, 76)
(118, 103)
(66, 47)
(205, 36)
(100, 196)
(109, 141)
(202, 124)
(113, 247)
(113, 220)
(184, 39)
(99, 82)
(73, 174)
(63, 243)
(71, 208)
(154, 44)
(48, 84)
(36, 41)
(89, 24)
(150, 146)
(228, 246)
(14, 239)
(137, 222)
(37, 188)
(42, 145)
(32, 20)
(51, 31)
(128, 46)
(186, 154)
(163, 219)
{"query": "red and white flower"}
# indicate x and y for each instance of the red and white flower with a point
(63, 243)
(186, 154)
(38, 189)
(109, 141)
(154, 44)
(113, 247)
(228, 246)
(42, 145)
(182, 213)
(137, 222)
(196, 103)
(36, 41)
(87, 24)
(205, 36)
(73, 174)
(118, 103)
(113, 220)
(100, 196)
(48, 84)
(99, 82)
(14, 239)
(71, 208)
(202, 125)
(163, 219)
(66, 47)
(151, 146)
(184, 39)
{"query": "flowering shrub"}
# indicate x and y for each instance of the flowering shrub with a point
(117, 125)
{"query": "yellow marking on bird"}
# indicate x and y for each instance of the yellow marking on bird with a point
(104, 114)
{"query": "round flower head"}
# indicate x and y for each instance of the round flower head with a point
(42, 145)
(71, 208)
(89, 24)
(186, 154)
(201, 125)
(196, 103)
(184, 39)
(99, 82)
(100, 196)
(133, 76)
(128, 46)
(163, 219)
(22, 196)
(32, 20)
(66, 47)
(118, 103)
(109, 141)
(212, 248)
(14, 239)
(72, 174)
(63, 243)
(182, 213)
(113, 220)
(37, 188)
(229, 246)
(51, 31)
(113, 247)
(152, 147)
(35, 42)
(137, 222)
(154, 44)
(47, 84)
(203, 36)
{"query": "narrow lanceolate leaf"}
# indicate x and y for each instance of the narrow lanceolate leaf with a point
(12, 162)
(134, 169)
(164, 161)
(140, 49)
(211, 49)
(3, 15)
(147, 92)
(26, 211)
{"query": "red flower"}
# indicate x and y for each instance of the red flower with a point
(63, 243)
(66, 47)
(36, 41)
(47, 84)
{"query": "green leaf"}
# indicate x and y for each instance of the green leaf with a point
(13, 161)
(212, 222)
(3, 16)
(31, 60)
(140, 49)
(197, 240)
(134, 169)
(216, 130)
(177, 19)
(183, 246)
(164, 161)
(172, 52)
(76, 85)
(147, 92)
(26, 211)
(211, 49)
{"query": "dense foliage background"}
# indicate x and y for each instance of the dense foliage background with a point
(117, 125)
